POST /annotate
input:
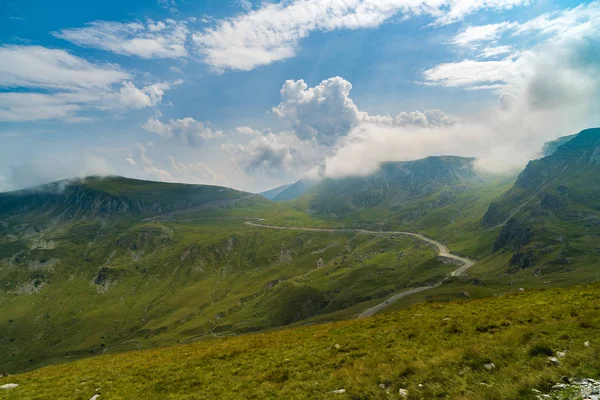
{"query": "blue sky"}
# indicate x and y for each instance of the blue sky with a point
(256, 94)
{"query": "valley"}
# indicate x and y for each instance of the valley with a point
(100, 266)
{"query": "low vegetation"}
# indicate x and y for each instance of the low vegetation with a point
(504, 347)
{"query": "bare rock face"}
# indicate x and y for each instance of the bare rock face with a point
(513, 236)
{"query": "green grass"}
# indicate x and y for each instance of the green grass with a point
(434, 350)
(168, 282)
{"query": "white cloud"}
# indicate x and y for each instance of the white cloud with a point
(429, 118)
(172, 170)
(323, 112)
(53, 168)
(494, 51)
(475, 34)
(565, 25)
(273, 31)
(162, 39)
(187, 130)
(274, 154)
(41, 67)
(65, 86)
(560, 28)
(474, 74)
(555, 91)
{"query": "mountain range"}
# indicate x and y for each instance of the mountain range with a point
(109, 264)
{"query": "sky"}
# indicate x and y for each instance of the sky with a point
(255, 94)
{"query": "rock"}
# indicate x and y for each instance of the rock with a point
(489, 366)
(587, 344)
(337, 346)
(95, 397)
(521, 289)
(513, 236)
(382, 386)
(559, 386)
(565, 379)
(403, 393)
(464, 294)
(9, 386)
(338, 391)
(553, 361)
(561, 354)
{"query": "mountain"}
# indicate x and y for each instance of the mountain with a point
(396, 183)
(97, 266)
(550, 147)
(111, 196)
(113, 264)
(295, 190)
(550, 218)
(271, 194)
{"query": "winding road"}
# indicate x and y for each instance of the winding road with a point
(442, 249)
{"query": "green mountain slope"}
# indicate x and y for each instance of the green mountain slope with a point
(396, 184)
(107, 196)
(495, 348)
(271, 194)
(78, 277)
(550, 218)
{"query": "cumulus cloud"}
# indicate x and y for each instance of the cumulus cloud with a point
(557, 93)
(326, 112)
(429, 118)
(161, 39)
(273, 31)
(187, 130)
(273, 154)
(323, 112)
(546, 91)
(54, 84)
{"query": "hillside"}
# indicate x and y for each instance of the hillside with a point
(273, 193)
(107, 196)
(550, 218)
(396, 184)
(295, 190)
(510, 347)
(77, 281)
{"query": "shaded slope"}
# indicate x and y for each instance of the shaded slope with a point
(271, 194)
(104, 197)
(396, 184)
(550, 218)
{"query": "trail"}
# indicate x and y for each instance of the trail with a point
(442, 249)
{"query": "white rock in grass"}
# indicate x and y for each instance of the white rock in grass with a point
(561, 354)
(587, 343)
(338, 391)
(489, 366)
(95, 397)
(403, 393)
(9, 386)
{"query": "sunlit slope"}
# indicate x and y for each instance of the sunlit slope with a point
(90, 286)
(495, 348)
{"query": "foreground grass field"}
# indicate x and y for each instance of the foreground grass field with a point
(433, 350)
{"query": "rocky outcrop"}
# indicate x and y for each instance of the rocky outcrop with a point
(513, 236)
